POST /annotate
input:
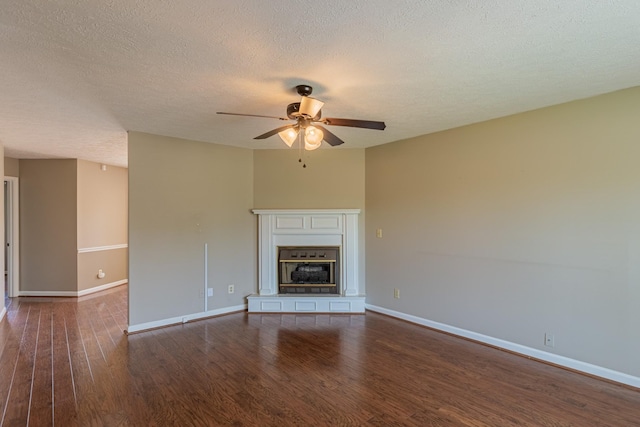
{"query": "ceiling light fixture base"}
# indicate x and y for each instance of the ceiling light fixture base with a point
(304, 90)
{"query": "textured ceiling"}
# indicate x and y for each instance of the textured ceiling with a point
(75, 75)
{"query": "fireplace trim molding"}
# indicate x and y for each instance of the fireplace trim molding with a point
(307, 227)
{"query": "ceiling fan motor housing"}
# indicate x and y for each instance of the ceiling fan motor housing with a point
(293, 112)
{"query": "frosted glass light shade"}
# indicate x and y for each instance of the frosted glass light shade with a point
(310, 106)
(289, 136)
(312, 138)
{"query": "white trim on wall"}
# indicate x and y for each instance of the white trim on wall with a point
(73, 293)
(102, 287)
(3, 312)
(48, 294)
(13, 235)
(103, 248)
(184, 319)
(566, 362)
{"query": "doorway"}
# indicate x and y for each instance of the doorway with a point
(12, 236)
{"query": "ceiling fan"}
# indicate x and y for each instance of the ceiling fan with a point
(307, 117)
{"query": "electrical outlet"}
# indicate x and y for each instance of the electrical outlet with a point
(210, 292)
(549, 340)
(396, 293)
(379, 233)
(231, 289)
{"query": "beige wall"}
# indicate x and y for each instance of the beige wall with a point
(48, 232)
(102, 221)
(182, 195)
(102, 205)
(333, 178)
(114, 263)
(516, 227)
(11, 167)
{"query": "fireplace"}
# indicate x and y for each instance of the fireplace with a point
(307, 262)
(308, 270)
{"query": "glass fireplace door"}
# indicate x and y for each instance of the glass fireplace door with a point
(308, 270)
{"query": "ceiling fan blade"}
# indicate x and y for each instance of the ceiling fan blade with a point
(367, 124)
(273, 132)
(330, 137)
(252, 115)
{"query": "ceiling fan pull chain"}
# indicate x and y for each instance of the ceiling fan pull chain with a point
(300, 150)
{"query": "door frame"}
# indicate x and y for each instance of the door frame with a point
(12, 212)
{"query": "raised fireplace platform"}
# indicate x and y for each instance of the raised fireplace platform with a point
(305, 304)
(304, 228)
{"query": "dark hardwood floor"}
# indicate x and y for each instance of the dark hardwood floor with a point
(66, 362)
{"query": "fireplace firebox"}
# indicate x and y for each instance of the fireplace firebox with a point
(308, 270)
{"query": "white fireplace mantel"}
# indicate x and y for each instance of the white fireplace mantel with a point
(307, 227)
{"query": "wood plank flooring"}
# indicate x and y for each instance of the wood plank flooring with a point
(66, 362)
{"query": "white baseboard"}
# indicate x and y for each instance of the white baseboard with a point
(73, 293)
(3, 312)
(102, 287)
(48, 294)
(566, 362)
(184, 319)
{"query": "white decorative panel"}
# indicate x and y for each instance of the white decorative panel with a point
(271, 306)
(325, 222)
(340, 306)
(290, 222)
(305, 306)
